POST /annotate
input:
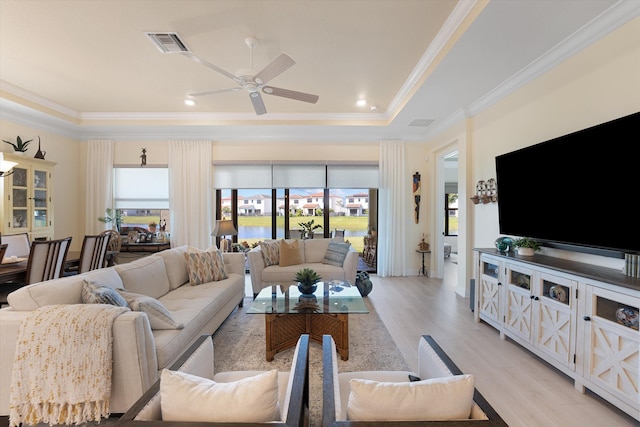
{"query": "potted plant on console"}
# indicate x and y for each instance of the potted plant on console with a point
(526, 246)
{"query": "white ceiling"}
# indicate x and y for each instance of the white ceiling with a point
(86, 68)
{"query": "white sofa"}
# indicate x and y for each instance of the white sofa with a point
(139, 352)
(312, 252)
(390, 396)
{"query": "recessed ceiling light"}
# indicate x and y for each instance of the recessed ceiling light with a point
(361, 102)
(190, 102)
(373, 108)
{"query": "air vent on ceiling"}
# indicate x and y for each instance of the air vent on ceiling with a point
(168, 42)
(421, 122)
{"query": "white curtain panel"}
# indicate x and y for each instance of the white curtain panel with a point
(99, 194)
(393, 207)
(190, 192)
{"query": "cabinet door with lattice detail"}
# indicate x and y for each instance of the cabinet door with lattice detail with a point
(518, 310)
(612, 343)
(556, 313)
(489, 291)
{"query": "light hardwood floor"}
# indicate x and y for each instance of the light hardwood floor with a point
(524, 389)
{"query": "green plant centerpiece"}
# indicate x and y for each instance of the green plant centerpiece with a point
(307, 279)
(308, 227)
(526, 245)
(20, 145)
(112, 216)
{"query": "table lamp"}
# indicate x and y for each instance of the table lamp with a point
(224, 228)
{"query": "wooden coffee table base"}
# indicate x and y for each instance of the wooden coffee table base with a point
(283, 330)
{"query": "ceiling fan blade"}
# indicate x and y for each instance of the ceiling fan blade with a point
(286, 93)
(211, 92)
(213, 67)
(279, 65)
(257, 102)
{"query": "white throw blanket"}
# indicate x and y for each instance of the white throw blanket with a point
(62, 367)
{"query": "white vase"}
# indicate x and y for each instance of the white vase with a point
(526, 251)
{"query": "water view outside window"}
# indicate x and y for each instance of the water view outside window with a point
(348, 211)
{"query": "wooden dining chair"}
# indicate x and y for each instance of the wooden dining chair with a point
(46, 260)
(115, 243)
(18, 244)
(92, 255)
(3, 250)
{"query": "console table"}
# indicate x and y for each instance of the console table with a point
(145, 247)
(577, 317)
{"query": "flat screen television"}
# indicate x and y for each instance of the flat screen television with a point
(576, 192)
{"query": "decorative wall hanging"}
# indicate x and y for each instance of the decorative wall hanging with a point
(416, 196)
(143, 157)
(485, 192)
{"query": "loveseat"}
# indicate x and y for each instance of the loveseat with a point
(140, 349)
(269, 266)
(439, 394)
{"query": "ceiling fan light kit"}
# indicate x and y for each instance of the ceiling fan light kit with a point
(253, 83)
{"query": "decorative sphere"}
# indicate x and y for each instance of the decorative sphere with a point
(504, 244)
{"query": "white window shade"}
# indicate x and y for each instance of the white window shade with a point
(242, 176)
(137, 188)
(299, 176)
(352, 176)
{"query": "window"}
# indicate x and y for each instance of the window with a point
(298, 193)
(451, 214)
(145, 202)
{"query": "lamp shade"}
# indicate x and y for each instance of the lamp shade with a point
(224, 227)
(5, 165)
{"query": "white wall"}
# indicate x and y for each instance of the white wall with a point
(597, 85)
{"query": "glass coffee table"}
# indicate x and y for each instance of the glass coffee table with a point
(289, 315)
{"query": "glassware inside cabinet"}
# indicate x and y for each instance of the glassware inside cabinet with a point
(555, 291)
(19, 177)
(490, 269)
(40, 218)
(618, 312)
(520, 279)
(40, 179)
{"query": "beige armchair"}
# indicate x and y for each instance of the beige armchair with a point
(293, 389)
(446, 390)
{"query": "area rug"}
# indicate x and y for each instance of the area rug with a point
(239, 344)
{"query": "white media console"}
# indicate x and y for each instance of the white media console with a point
(577, 317)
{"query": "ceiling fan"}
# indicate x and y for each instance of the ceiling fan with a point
(253, 82)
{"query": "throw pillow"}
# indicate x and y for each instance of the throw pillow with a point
(290, 253)
(205, 267)
(446, 398)
(336, 253)
(270, 253)
(95, 293)
(185, 397)
(159, 316)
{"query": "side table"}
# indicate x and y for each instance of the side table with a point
(423, 271)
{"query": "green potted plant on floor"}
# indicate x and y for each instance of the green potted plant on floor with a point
(526, 246)
(307, 279)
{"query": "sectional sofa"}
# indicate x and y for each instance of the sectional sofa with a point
(140, 348)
